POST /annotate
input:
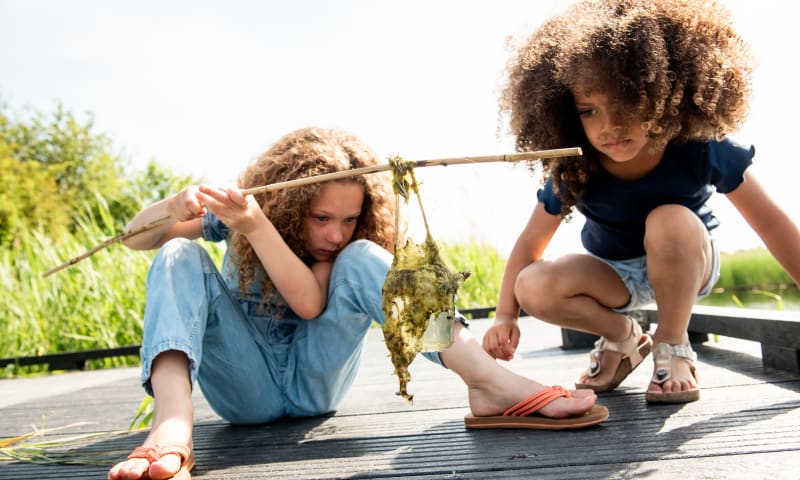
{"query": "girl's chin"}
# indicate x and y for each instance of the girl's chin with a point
(323, 257)
(618, 155)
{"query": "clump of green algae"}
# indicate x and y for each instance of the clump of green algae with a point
(418, 286)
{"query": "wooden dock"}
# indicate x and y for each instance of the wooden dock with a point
(747, 425)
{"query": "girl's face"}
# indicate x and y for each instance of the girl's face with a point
(618, 141)
(332, 218)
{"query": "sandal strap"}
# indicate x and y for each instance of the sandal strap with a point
(154, 452)
(537, 401)
(628, 348)
(663, 353)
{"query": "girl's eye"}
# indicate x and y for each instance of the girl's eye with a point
(351, 219)
(584, 112)
(321, 218)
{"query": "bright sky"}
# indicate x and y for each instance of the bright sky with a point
(203, 87)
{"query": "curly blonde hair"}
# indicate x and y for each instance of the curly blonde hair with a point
(304, 153)
(676, 64)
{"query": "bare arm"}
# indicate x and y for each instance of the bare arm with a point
(501, 340)
(529, 248)
(304, 289)
(184, 209)
(779, 233)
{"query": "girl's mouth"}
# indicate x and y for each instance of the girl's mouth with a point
(617, 144)
(328, 254)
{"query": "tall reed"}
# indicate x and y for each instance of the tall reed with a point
(486, 265)
(751, 269)
(96, 303)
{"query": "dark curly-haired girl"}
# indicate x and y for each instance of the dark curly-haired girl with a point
(648, 89)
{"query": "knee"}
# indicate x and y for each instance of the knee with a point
(534, 290)
(178, 249)
(360, 258)
(180, 254)
(672, 230)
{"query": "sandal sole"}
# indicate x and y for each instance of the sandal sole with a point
(687, 396)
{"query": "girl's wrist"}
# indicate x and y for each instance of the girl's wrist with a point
(504, 318)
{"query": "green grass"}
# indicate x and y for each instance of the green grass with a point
(96, 303)
(485, 265)
(99, 302)
(751, 269)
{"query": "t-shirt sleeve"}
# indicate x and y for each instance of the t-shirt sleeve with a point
(728, 161)
(547, 196)
(213, 228)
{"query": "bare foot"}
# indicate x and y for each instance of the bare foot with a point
(609, 361)
(503, 389)
(681, 379)
(611, 355)
(176, 429)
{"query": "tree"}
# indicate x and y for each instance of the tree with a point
(55, 167)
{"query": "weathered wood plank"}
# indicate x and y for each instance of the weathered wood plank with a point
(747, 421)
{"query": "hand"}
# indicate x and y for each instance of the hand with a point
(186, 205)
(502, 339)
(240, 213)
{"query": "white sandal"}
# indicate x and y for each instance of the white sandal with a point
(663, 353)
(633, 349)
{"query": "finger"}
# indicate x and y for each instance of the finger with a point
(217, 194)
(487, 347)
(215, 198)
(194, 204)
(514, 337)
(236, 196)
(210, 201)
(185, 205)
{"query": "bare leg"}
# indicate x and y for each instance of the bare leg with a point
(173, 414)
(578, 292)
(492, 388)
(679, 262)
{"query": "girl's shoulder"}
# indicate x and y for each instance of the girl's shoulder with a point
(714, 151)
(721, 162)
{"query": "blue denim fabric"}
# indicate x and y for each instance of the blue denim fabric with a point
(633, 273)
(251, 367)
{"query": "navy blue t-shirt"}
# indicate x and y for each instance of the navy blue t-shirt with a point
(616, 209)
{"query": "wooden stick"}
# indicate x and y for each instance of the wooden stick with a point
(110, 241)
(512, 157)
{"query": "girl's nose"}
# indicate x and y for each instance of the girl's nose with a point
(611, 123)
(614, 120)
(335, 235)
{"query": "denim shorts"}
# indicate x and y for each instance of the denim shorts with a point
(633, 273)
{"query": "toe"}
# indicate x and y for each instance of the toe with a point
(583, 393)
(128, 470)
(166, 467)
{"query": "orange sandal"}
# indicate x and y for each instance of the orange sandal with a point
(524, 414)
(154, 453)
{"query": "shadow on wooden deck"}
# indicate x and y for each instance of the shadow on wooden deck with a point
(747, 425)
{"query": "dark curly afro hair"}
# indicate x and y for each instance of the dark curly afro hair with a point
(676, 64)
